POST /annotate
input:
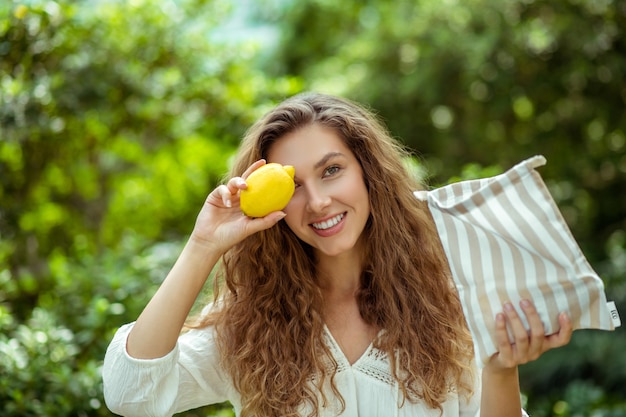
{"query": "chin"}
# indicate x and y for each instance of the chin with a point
(336, 251)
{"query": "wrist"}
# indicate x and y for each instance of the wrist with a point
(203, 246)
(497, 372)
(200, 253)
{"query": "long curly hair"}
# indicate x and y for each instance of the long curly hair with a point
(270, 321)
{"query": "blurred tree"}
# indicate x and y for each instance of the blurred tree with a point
(115, 117)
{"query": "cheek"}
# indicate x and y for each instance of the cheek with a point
(357, 191)
(289, 221)
(293, 211)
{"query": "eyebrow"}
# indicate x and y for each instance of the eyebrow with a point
(326, 158)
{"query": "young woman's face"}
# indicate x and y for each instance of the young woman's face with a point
(330, 206)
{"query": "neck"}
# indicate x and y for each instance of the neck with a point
(340, 277)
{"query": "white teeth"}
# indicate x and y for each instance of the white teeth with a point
(328, 223)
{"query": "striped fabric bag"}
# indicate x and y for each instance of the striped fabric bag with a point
(506, 240)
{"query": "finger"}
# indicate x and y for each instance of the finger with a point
(253, 167)
(520, 334)
(263, 223)
(536, 328)
(564, 335)
(230, 189)
(235, 184)
(239, 183)
(505, 349)
(223, 193)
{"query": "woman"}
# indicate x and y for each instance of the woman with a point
(341, 304)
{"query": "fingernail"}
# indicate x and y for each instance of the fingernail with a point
(229, 203)
(525, 303)
(565, 316)
(500, 317)
(508, 306)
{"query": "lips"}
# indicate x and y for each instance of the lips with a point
(327, 224)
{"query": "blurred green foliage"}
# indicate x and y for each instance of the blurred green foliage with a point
(117, 118)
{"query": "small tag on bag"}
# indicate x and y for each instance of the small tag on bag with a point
(614, 314)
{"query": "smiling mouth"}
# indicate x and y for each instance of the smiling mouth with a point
(328, 223)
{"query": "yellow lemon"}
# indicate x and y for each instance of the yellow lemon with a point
(270, 188)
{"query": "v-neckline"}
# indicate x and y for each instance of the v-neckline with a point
(342, 354)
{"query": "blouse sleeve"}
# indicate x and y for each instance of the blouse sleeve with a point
(188, 377)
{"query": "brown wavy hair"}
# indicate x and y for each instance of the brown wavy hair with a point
(270, 319)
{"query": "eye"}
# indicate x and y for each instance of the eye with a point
(331, 170)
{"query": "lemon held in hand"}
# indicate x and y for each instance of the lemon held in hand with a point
(270, 188)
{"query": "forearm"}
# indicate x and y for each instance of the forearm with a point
(157, 329)
(500, 393)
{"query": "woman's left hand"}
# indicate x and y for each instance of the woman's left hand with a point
(528, 345)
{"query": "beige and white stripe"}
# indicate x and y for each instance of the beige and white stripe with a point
(506, 240)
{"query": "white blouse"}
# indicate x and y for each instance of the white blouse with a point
(190, 377)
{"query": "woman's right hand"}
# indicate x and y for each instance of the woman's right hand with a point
(221, 224)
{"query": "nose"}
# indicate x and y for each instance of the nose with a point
(317, 199)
